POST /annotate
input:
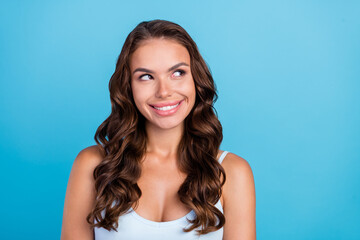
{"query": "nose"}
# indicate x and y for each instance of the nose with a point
(163, 88)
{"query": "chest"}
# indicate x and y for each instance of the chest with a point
(159, 201)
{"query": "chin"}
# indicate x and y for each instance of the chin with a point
(169, 125)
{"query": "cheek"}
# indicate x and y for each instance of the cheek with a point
(138, 97)
(190, 90)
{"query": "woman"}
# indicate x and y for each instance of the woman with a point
(157, 171)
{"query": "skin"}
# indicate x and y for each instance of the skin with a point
(161, 177)
(159, 166)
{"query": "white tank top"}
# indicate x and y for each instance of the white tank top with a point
(132, 226)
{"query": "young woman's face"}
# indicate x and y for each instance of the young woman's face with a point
(161, 81)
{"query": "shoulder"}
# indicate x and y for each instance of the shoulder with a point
(236, 167)
(92, 154)
(88, 158)
(80, 194)
(83, 166)
(81, 175)
(239, 177)
(239, 198)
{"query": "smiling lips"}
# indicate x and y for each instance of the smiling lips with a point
(165, 109)
(168, 104)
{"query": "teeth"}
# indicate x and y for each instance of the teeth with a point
(167, 107)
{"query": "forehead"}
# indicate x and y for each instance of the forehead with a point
(159, 53)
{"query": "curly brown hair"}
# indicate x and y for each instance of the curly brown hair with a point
(122, 137)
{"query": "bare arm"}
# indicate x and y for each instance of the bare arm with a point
(80, 195)
(239, 199)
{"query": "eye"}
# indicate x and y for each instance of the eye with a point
(145, 77)
(178, 73)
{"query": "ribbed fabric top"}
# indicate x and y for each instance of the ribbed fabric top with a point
(222, 156)
(132, 226)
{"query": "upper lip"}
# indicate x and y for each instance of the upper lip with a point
(158, 105)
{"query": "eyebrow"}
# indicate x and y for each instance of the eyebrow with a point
(170, 69)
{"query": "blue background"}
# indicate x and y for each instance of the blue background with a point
(287, 73)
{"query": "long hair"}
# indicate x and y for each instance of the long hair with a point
(122, 137)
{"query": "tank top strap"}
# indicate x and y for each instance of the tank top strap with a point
(222, 156)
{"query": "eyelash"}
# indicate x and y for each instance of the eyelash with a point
(182, 72)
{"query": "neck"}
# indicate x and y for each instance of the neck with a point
(163, 142)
